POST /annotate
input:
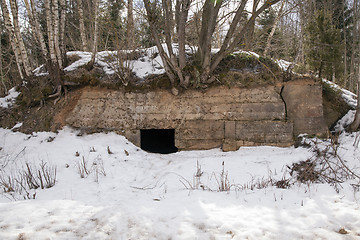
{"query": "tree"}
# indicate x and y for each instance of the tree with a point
(17, 44)
(323, 45)
(273, 28)
(130, 30)
(356, 123)
(84, 43)
(236, 34)
(96, 32)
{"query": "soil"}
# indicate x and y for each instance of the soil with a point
(48, 117)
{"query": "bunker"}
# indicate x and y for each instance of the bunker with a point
(220, 116)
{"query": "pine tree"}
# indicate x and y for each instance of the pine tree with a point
(323, 45)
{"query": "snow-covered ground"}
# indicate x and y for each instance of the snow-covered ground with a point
(132, 194)
(8, 100)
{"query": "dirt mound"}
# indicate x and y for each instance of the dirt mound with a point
(44, 117)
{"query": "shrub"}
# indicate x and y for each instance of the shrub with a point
(29, 178)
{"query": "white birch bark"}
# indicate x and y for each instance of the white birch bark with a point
(50, 32)
(62, 29)
(10, 29)
(19, 41)
(130, 25)
(55, 22)
(35, 25)
(95, 42)
(272, 32)
(82, 25)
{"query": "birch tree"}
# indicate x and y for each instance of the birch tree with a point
(96, 32)
(56, 56)
(356, 123)
(130, 30)
(273, 28)
(17, 44)
(35, 26)
(62, 30)
(18, 37)
(82, 25)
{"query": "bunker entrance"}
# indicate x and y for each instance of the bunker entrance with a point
(158, 140)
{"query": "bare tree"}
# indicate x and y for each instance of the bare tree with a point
(130, 30)
(251, 29)
(272, 32)
(17, 44)
(96, 32)
(62, 29)
(356, 123)
(82, 25)
(35, 25)
(235, 35)
(52, 23)
(18, 37)
(173, 67)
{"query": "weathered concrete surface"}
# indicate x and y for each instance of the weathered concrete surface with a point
(219, 116)
(303, 100)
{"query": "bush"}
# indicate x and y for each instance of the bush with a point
(29, 178)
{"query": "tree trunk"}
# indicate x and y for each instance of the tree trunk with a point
(1, 70)
(55, 22)
(62, 30)
(82, 26)
(19, 41)
(169, 69)
(130, 26)
(346, 83)
(209, 18)
(10, 29)
(50, 31)
(95, 42)
(277, 19)
(356, 123)
(34, 22)
(251, 28)
(234, 37)
(183, 15)
(54, 65)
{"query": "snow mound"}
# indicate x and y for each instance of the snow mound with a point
(147, 63)
(9, 100)
(349, 97)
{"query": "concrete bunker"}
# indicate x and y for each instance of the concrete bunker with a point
(219, 116)
(158, 140)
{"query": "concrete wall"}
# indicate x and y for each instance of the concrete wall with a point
(218, 117)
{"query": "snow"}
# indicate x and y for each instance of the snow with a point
(349, 97)
(40, 71)
(148, 63)
(283, 64)
(9, 100)
(140, 195)
(132, 194)
(85, 58)
(248, 53)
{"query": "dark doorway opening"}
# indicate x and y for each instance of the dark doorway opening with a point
(158, 140)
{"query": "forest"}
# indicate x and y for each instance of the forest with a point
(319, 37)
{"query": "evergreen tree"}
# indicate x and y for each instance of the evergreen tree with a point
(323, 45)
(265, 22)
